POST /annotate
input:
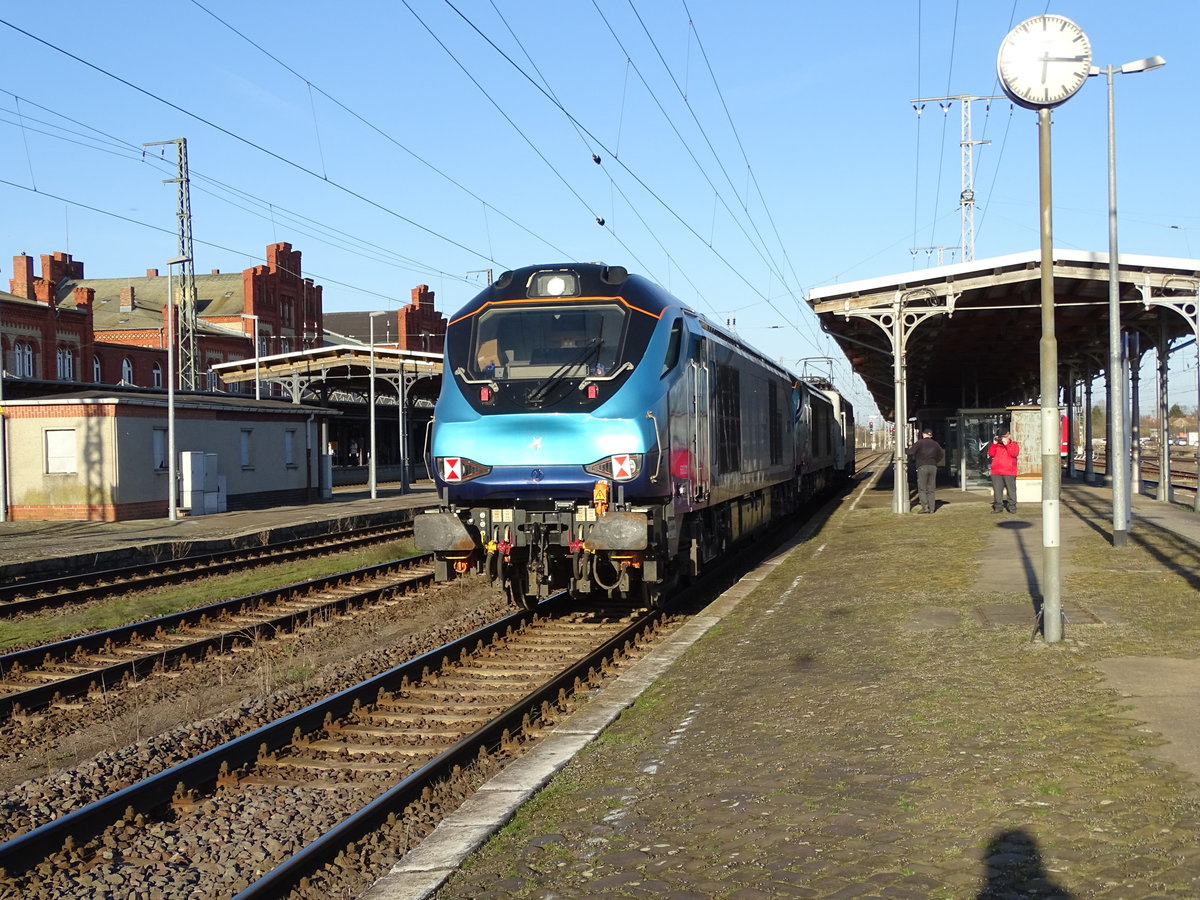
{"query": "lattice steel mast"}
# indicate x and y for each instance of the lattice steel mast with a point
(966, 199)
(186, 307)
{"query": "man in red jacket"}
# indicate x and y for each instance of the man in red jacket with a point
(1003, 452)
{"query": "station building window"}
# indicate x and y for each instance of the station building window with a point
(23, 360)
(61, 456)
(127, 371)
(66, 364)
(96, 370)
(158, 449)
(245, 448)
(157, 376)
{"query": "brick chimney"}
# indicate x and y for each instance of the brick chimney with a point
(281, 256)
(21, 284)
(59, 265)
(84, 298)
(127, 299)
(152, 273)
(419, 325)
(422, 297)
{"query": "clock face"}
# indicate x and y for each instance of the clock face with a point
(1043, 61)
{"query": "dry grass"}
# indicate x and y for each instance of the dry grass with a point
(819, 729)
(134, 607)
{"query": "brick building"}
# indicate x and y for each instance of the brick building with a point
(84, 416)
(417, 326)
(61, 326)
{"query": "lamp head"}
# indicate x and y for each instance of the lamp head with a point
(1143, 65)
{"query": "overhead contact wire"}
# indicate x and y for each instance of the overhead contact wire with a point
(619, 162)
(258, 257)
(772, 265)
(346, 109)
(113, 145)
(249, 143)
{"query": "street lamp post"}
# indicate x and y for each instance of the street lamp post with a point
(1118, 453)
(172, 465)
(257, 383)
(371, 402)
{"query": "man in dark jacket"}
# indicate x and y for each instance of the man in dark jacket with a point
(927, 454)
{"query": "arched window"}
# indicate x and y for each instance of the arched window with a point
(127, 371)
(66, 364)
(96, 370)
(158, 375)
(23, 360)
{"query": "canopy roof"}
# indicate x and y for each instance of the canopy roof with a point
(972, 330)
(344, 367)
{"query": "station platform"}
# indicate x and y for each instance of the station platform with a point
(44, 549)
(874, 714)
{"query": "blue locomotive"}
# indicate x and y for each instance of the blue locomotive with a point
(593, 433)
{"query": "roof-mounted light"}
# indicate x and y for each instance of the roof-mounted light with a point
(554, 284)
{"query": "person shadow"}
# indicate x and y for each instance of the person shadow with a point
(1013, 868)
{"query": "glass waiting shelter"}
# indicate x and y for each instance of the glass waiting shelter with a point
(970, 433)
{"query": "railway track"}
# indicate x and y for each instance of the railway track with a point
(26, 596)
(293, 804)
(304, 805)
(1183, 471)
(73, 670)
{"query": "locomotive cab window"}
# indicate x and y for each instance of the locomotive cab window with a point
(673, 345)
(534, 343)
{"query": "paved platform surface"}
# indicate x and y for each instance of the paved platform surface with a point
(869, 715)
(872, 715)
(46, 548)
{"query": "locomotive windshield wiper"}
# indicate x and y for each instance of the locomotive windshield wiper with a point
(538, 395)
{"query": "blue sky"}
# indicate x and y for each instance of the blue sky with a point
(748, 152)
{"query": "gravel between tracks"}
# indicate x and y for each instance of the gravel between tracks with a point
(101, 746)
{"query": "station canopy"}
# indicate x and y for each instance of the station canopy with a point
(970, 333)
(322, 372)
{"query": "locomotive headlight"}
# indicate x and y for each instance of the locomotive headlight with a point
(554, 284)
(457, 469)
(618, 467)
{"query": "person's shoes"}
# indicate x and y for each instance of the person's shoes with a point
(996, 511)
